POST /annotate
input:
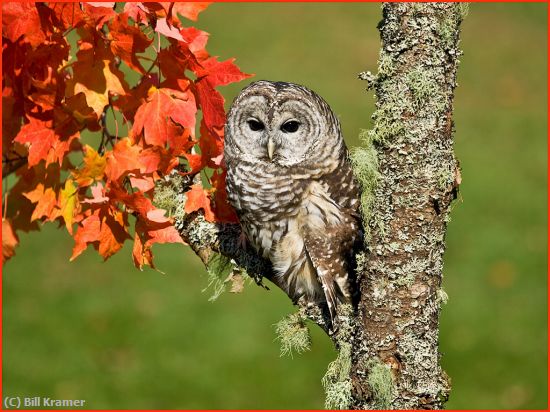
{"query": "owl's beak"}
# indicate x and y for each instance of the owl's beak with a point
(270, 148)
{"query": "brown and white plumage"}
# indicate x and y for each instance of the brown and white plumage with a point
(293, 188)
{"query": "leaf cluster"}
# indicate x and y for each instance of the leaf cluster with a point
(71, 71)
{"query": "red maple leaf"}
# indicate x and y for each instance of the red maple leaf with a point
(162, 105)
(190, 10)
(221, 73)
(127, 41)
(223, 210)
(105, 230)
(197, 198)
(123, 159)
(22, 19)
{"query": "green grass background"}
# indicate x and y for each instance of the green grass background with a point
(121, 338)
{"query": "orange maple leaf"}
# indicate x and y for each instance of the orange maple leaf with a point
(9, 240)
(39, 137)
(123, 159)
(164, 104)
(95, 75)
(197, 198)
(46, 201)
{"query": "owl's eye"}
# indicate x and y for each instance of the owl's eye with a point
(290, 127)
(255, 125)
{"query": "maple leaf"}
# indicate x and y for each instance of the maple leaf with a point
(186, 54)
(113, 233)
(129, 103)
(221, 73)
(141, 254)
(154, 228)
(136, 11)
(61, 147)
(197, 198)
(211, 103)
(127, 41)
(163, 27)
(87, 232)
(68, 14)
(68, 203)
(74, 114)
(222, 208)
(142, 183)
(9, 240)
(123, 159)
(46, 201)
(156, 158)
(106, 231)
(22, 19)
(98, 13)
(190, 10)
(136, 201)
(95, 75)
(163, 104)
(211, 145)
(166, 233)
(195, 42)
(93, 168)
(39, 137)
(196, 162)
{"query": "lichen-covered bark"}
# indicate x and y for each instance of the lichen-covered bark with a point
(401, 268)
(388, 342)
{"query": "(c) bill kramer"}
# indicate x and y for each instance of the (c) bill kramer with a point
(38, 401)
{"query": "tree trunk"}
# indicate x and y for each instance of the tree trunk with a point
(388, 343)
(401, 269)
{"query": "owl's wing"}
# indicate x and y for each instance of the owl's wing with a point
(329, 251)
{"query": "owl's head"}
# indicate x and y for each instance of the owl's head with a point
(280, 123)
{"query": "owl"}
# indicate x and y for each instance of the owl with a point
(291, 183)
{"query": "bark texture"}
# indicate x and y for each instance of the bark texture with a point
(388, 342)
(401, 269)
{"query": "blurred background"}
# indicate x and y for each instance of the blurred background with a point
(124, 339)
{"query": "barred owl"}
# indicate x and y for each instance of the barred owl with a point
(291, 183)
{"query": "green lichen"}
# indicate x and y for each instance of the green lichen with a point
(385, 66)
(463, 9)
(405, 280)
(442, 296)
(365, 166)
(337, 382)
(337, 379)
(422, 85)
(293, 334)
(380, 381)
(445, 177)
(338, 395)
(166, 196)
(218, 268)
(448, 27)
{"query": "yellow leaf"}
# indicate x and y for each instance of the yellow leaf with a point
(68, 202)
(93, 169)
